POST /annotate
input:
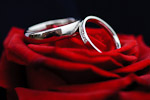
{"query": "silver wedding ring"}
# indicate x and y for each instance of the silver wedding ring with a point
(66, 26)
(102, 23)
(69, 26)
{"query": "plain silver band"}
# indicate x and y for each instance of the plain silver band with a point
(43, 25)
(67, 29)
(85, 37)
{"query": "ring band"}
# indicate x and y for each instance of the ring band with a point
(67, 26)
(103, 24)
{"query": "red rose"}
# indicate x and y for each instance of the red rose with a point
(64, 68)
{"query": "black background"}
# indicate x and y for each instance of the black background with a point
(125, 16)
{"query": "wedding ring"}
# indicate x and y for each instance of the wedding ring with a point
(66, 26)
(102, 23)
